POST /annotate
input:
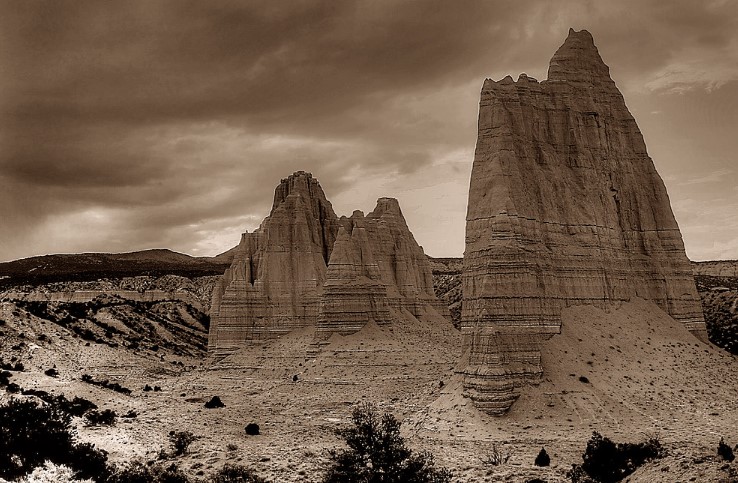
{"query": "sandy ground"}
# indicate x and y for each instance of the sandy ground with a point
(647, 376)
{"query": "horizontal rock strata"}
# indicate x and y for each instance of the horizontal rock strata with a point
(565, 208)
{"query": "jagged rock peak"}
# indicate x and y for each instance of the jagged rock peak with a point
(301, 183)
(578, 60)
(565, 208)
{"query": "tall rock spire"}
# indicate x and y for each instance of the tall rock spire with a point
(565, 208)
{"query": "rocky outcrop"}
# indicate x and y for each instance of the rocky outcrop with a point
(717, 268)
(565, 208)
(305, 267)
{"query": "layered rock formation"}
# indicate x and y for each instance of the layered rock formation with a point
(565, 208)
(376, 264)
(305, 267)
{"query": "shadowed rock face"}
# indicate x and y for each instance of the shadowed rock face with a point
(565, 208)
(303, 262)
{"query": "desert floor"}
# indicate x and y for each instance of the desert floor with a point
(647, 377)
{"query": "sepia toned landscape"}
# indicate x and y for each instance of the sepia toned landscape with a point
(574, 340)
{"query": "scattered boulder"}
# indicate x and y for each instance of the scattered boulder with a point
(252, 429)
(214, 402)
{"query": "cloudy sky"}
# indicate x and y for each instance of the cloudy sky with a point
(133, 125)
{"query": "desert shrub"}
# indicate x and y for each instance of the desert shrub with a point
(76, 407)
(377, 452)
(543, 459)
(609, 462)
(725, 451)
(79, 406)
(101, 418)
(31, 434)
(252, 429)
(139, 472)
(43, 395)
(496, 456)
(88, 461)
(236, 474)
(5, 378)
(214, 402)
(181, 441)
(147, 388)
(106, 384)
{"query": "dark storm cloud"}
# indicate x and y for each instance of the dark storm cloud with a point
(161, 122)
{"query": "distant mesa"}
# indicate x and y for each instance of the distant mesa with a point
(565, 208)
(305, 267)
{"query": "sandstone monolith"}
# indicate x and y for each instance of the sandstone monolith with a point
(275, 281)
(565, 208)
(303, 267)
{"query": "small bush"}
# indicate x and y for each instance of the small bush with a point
(725, 451)
(543, 459)
(497, 456)
(609, 462)
(236, 474)
(252, 429)
(101, 418)
(215, 402)
(377, 452)
(181, 441)
(5, 378)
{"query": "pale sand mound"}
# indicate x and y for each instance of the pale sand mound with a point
(645, 372)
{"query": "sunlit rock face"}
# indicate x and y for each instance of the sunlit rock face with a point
(565, 208)
(303, 267)
(376, 264)
(275, 281)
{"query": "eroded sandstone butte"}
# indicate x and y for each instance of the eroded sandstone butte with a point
(305, 267)
(565, 208)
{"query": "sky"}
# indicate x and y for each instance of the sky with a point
(168, 124)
